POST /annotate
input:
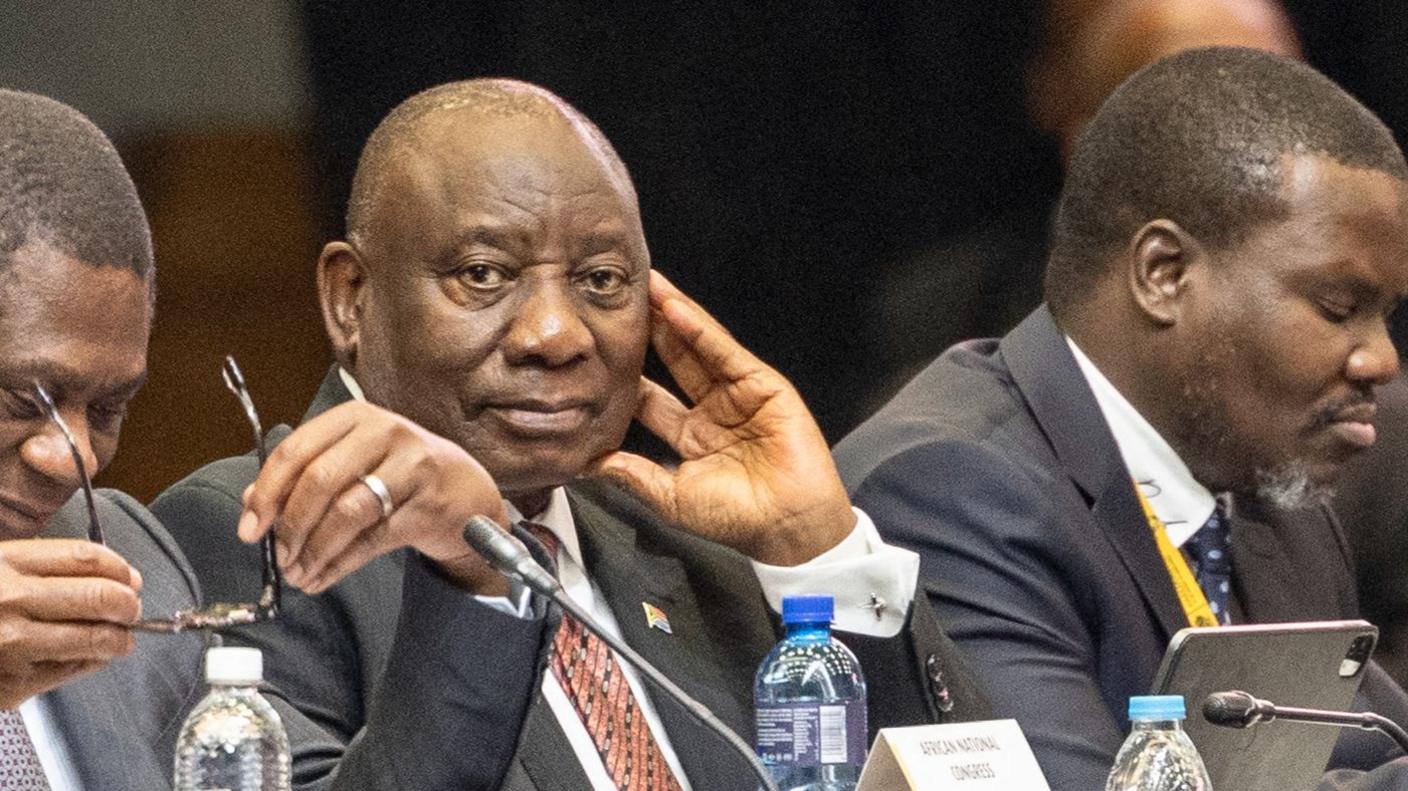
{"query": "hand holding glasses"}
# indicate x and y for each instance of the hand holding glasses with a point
(213, 616)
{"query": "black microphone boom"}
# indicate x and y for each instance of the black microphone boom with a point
(1237, 709)
(511, 558)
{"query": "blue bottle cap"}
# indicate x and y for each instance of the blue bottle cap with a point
(807, 609)
(1156, 707)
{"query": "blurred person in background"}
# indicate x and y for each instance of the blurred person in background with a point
(982, 283)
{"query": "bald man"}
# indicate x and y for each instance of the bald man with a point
(490, 310)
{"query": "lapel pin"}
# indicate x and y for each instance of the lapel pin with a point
(655, 618)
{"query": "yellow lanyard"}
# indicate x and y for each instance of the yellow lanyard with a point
(1190, 595)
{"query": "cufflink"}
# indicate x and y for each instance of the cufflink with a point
(877, 605)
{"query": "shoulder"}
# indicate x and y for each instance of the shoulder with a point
(964, 404)
(212, 492)
(135, 533)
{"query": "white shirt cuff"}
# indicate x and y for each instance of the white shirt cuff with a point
(859, 573)
(518, 602)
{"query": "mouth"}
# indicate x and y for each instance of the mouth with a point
(21, 519)
(1354, 424)
(541, 418)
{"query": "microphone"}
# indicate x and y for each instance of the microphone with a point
(1237, 709)
(508, 555)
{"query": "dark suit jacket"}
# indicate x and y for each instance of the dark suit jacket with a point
(394, 679)
(121, 722)
(997, 466)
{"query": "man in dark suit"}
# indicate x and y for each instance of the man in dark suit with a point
(1232, 234)
(83, 705)
(495, 289)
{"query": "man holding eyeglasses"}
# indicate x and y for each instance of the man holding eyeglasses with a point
(495, 289)
(83, 704)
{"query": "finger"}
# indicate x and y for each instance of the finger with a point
(65, 557)
(364, 546)
(684, 366)
(663, 291)
(719, 355)
(76, 599)
(331, 475)
(68, 642)
(264, 499)
(699, 346)
(661, 413)
(648, 481)
(356, 511)
(43, 677)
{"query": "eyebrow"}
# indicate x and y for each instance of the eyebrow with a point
(61, 377)
(507, 239)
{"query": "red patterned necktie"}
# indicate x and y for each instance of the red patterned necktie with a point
(590, 675)
(19, 763)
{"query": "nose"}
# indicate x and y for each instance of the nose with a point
(1375, 361)
(546, 328)
(47, 452)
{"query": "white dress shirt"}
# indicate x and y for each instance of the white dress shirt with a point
(857, 572)
(1180, 502)
(49, 744)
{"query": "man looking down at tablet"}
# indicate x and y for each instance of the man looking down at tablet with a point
(1231, 238)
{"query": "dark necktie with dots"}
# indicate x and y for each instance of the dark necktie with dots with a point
(591, 676)
(19, 763)
(1212, 564)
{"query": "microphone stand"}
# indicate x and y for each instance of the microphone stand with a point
(1237, 709)
(1366, 720)
(511, 558)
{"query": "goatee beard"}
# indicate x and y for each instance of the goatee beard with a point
(1290, 488)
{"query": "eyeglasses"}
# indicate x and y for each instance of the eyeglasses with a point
(214, 616)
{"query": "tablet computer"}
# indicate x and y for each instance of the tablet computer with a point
(1314, 665)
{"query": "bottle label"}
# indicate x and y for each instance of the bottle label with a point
(811, 733)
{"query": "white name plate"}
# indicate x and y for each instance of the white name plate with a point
(984, 756)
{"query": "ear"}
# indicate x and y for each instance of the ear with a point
(1162, 256)
(342, 280)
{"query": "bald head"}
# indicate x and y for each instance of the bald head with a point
(466, 105)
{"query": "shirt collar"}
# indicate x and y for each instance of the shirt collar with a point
(557, 517)
(352, 386)
(1180, 502)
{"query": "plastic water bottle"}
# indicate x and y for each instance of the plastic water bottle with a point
(809, 696)
(1158, 755)
(233, 740)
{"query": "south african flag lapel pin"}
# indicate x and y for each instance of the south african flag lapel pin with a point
(655, 618)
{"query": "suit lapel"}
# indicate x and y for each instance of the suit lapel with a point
(1066, 411)
(629, 576)
(330, 393)
(1270, 548)
(92, 712)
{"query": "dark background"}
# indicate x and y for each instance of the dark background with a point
(788, 157)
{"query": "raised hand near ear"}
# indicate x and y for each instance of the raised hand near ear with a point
(756, 473)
